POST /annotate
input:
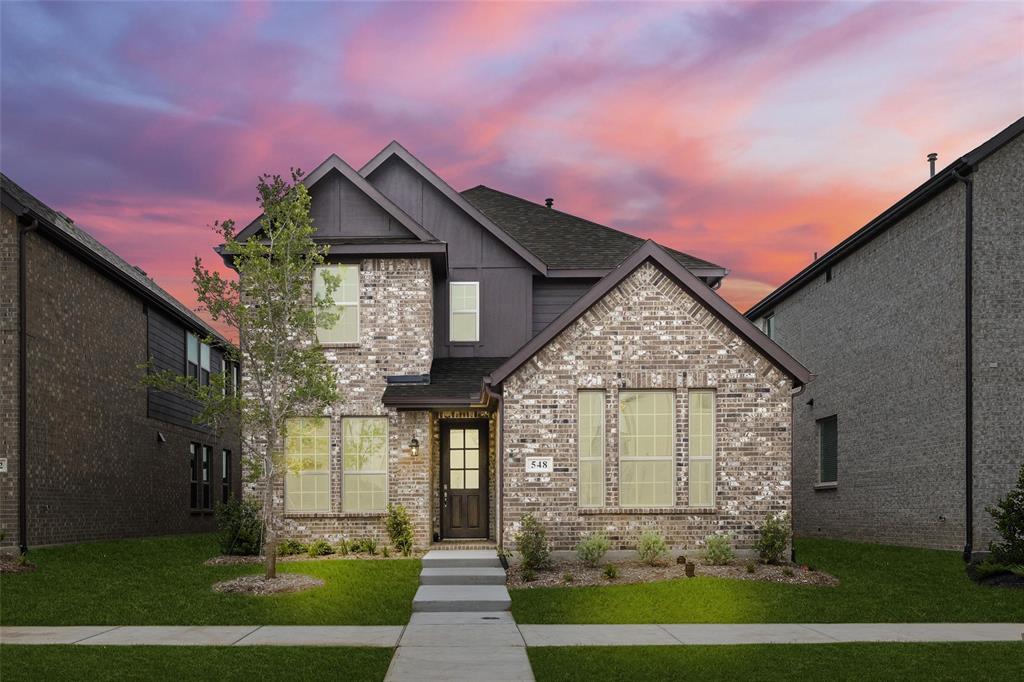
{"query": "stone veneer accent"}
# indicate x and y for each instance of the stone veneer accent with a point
(395, 337)
(648, 333)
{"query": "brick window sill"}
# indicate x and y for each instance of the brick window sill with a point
(826, 486)
(601, 511)
(334, 515)
(341, 345)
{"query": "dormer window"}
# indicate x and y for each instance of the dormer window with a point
(345, 304)
(464, 322)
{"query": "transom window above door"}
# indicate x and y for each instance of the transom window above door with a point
(464, 303)
(464, 460)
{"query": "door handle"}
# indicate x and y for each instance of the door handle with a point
(445, 502)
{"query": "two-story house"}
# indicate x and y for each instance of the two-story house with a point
(498, 357)
(87, 452)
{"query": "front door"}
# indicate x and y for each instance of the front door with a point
(464, 504)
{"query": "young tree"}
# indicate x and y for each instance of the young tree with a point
(274, 310)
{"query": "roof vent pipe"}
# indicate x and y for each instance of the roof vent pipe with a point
(931, 164)
(549, 202)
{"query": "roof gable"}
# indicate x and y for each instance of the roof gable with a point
(651, 251)
(329, 171)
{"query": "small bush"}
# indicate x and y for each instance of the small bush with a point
(567, 577)
(319, 548)
(788, 572)
(528, 574)
(341, 548)
(611, 571)
(718, 550)
(592, 549)
(651, 547)
(290, 547)
(400, 528)
(385, 551)
(771, 546)
(239, 527)
(750, 567)
(363, 545)
(1008, 514)
(532, 543)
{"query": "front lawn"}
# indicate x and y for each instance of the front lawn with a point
(219, 663)
(861, 661)
(877, 583)
(162, 581)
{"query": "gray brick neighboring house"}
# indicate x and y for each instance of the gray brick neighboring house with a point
(86, 451)
(499, 357)
(925, 383)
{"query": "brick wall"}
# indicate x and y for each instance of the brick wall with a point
(9, 376)
(648, 333)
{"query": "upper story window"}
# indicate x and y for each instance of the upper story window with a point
(768, 325)
(464, 324)
(204, 364)
(345, 303)
(230, 377)
(197, 359)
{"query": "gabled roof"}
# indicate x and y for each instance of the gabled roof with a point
(453, 382)
(651, 251)
(335, 163)
(61, 228)
(565, 241)
(924, 192)
(395, 149)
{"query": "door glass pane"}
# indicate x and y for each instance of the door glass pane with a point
(457, 482)
(472, 459)
(472, 438)
(472, 479)
(456, 459)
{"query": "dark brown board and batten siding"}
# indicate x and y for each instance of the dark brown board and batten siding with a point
(167, 351)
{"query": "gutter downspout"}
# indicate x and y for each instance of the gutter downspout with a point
(968, 181)
(793, 394)
(25, 225)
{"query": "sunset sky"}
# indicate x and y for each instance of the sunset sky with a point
(748, 134)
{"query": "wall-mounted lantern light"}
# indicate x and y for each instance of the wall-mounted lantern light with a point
(414, 447)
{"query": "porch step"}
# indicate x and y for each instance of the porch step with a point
(461, 558)
(480, 575)
(461, 598)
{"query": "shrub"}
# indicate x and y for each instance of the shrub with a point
(611, 571)
(771, 546)
(651, 547)
(290, 546)
(341, 548)
(528, 574)
(1008, 514)
(788, 572)
(592, 549)
(239, 527)
(567, 577)
(750, 567)
(400, 528)
(367, 545)
(532, 543)
(718, 550)
(319, 548)
(385, 551)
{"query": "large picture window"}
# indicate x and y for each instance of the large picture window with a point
(365, 464)
(465, 311)
(646, 446)
(591, 448)
(345, 303)
(307, 474)
(702, 448)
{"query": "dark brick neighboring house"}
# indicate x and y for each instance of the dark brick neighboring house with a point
(915, 420)
(87, 452)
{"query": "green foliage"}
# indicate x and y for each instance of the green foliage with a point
(788, 572)
(528, 574)
(320, 548)
(771, 546)
(1008, 514)
(400, 528)
(989, 568)
(385, 551)
(532, 543)
(611, 571)
(751, 566)
(567, 577)
(592, 548)
(718, 550)
(363, 545)
(290, 547)
(240, 527)
(341, 548)
(651, 547)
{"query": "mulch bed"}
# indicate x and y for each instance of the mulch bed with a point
(639, 572)
(13, 564)
(1006, 579)
(229, 560)
(258, 585)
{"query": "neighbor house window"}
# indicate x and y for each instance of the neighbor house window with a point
(194, 487)
(306, 454)
(192, 355)
(205, 482)
(768, 325)
(646, 445)
(236, 378)
(701, 439)
(225, 476)
(344, 303)
(230, 378)
(828, 448)
(465, 311)
(591, 448)
(365, 464)
(204, 364)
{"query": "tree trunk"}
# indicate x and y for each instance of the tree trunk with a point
(270, 553)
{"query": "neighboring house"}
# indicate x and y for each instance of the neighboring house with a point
(915, 420)
(498, 357)
(86, 451)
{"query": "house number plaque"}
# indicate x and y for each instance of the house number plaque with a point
(539, 465)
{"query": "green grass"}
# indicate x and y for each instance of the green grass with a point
(161, 581)
(878, 584)
(990, 661)
(219, 663)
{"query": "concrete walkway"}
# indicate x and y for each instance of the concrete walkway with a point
(207, 635)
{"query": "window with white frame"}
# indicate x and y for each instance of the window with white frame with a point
(591, 448)
(344, 303)
(646, 447)
(192, 355)
(701, 438)
(306, 457)
(464, 323)
(364, 464)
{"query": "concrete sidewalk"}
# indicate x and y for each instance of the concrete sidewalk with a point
(464, 631)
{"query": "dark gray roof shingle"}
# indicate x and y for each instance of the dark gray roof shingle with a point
(562, 240)
(452, 380)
